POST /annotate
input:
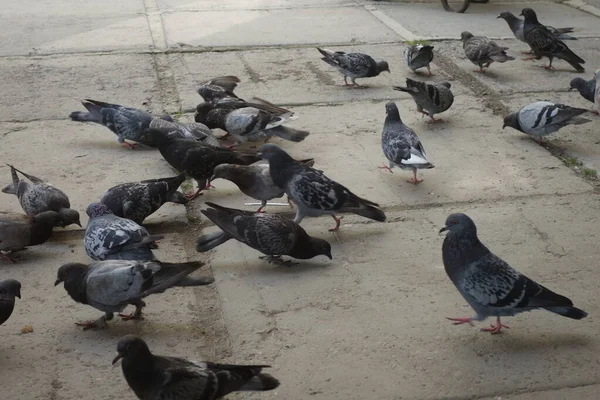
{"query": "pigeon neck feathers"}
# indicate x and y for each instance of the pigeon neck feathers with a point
(140, 373)
(76, 285)
(460, 249)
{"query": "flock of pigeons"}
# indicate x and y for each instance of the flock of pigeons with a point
(125, 270)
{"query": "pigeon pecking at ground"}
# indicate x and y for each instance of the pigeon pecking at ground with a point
(545, 44)
(153, 377)
(253, 180)
(108, 237)
(138, 200)
(196, 159)
(18, 231)
(586, 89)
(354, 65)
(9, 289)
(189, 130)
(543, 118)
(39, 196)
(271, 234)
(482, 52)
(110, 286)
(418, 56)
(434, 98)
(491, 286)
(313, 193)
(401, 146)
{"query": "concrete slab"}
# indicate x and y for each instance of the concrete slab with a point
(241, 28)
(585, 392)
(52, 87)
(180, 5)
(28, 8)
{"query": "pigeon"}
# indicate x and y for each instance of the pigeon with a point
(39, 196)
(108, 237)
(196, 159)
(354, 65)
(111, 285)
(253, 180)
(401, 145)
(491, 286)
(597, 99)
(138, 200)
(153, 377)
(545, 44)
(314, 193)
(482, 52)
(434, 98)
(586, 89)
(9, 289)
(271, 234)
(218, 89)
(127, 123)
(543, 118)
(189, 130)
(18, 231)
(418, 56)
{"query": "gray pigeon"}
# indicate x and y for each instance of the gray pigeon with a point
(126, 122)
(586, 89)
(253, 180)
(490, 286)
(597, 99)
(418, 56)
(188, 130)
(218, 89)
(314, 193)
(39, 196)
(138, 200)
(401, 146)
(545, 44)
(354, 65)
(271, 234)
(18, 231)
(110, 286)
(108, 237)
(482, 52)
(9, 289)
(154, 377)
(432, 97)
(544, 118)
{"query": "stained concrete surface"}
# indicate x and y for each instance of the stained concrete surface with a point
(371, 322)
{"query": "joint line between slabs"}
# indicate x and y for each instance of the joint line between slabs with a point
(155, 24)
(391, 23)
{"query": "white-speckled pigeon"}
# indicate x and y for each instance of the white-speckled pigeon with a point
(491, 286)
(218, 89)
(9, 289)
(314, 193)
(39, 196)
(418, 56)
(110, 286)
(544, 118)
(482, 52)
(188, 130)
(401, 145)
(108, 237)
(586, 89)
(354, 65)
(153, 377)
(432, 97)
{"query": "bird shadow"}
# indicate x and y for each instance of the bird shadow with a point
(509, 342)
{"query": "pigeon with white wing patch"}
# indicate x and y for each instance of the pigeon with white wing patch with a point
(418, 56)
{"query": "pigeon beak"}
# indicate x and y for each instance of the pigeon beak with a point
(18, 294)
(498, 17)
(520, 15)
(571, 89)
(444, 229)
(56, 282)
(117, 358)
(503, 126)
(329, 255)
(212, 178)
(79, 224)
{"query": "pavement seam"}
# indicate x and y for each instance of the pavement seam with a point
(391, 23)
(583, 6)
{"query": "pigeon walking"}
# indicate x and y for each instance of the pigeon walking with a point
(543, 118)
(401, 146)
(138, 200)
(9, 289)
(271, 234)
(586, 89)
(110, 286)
(196, 159)
(545, 44)
(153, 377)
(434, 98)
(482, 52)
(108, 237)
(491, 286)
(18, 231)
(314, 193)
(418, 56)
(39, 196)
(253, 180)
(354, 65)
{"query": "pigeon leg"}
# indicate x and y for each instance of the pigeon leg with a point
(354, 83)
(338, 220)
(527, 52)
(433, 120)
(8, 258)
(100, 323)
(549, 66)
(460, 321)
(193, 195)
(129, 145)
(267, 139)
(264, 203)
(429, 70)
(232, 146)
(495, 329)
(137, 314)
(386, 167)
(414, 180)
(346, 81)
(480, 70)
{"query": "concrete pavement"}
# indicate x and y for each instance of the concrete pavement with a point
(371, 323)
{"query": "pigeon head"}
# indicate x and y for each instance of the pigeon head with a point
(202, 111)
(391, 110)
(529, 15)
(576, 83)
(49, 218)
(70, 272)
(512, 120)
(460, 224)
(131, 347)
(69, 216)
(383, 66)
(211, 92)
(321, 247)
(464, 36)
(10, 287)
(272, 152)
(225, 171)
(507, 16)
(97, 209)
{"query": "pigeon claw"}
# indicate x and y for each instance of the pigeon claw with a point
(129, 145)
(338, 220)
(193, 195)
(87, 325)
(433, 120)
(8, 258)
(386, 167)
(495, 329)
(133, 316)
(550, 67)
(414, 180)
(460, 321)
